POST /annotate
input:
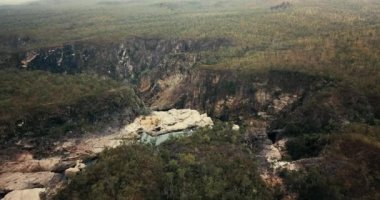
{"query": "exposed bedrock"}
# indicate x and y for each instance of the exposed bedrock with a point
(125, 60)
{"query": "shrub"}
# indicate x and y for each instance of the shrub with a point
(305, 146)
(183, 168)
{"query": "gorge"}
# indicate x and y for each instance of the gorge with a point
(173, 74)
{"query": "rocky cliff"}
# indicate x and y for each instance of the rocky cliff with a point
(167, 75)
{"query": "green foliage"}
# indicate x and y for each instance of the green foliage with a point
(353, 163)
(211, 164)
(128, 172)
(35, 103)
(311, 185)
(325, 110)
(230, 87)
(350, 168)
(306, 146)
(207, 165)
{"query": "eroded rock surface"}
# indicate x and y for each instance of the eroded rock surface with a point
(161, 122)
(29, 194)
(22, 181)
(270, 154)
(157, 123)
(71, 172)
(31, 165)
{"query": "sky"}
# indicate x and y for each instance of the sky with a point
(14, 1)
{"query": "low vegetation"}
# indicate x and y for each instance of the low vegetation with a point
(36, 103)
(326, 110)
(350, 169)
(210, 164)
(306, 146)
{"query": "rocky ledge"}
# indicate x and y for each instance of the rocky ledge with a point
(163, 122)
(30, 194)
(157, 123)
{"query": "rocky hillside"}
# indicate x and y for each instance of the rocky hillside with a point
(167, 74)
(289, 91)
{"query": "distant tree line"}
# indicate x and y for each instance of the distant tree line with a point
(284, 5)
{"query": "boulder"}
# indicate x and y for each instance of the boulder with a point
(31, 165)
(290, 166)
(62, 166)
(271, 153)
(71, 172)
(235, 127)
(97, 144)
(281, 146)
(22, 181)
(29, 194)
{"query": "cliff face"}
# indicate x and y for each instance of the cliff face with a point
(166, 76)
(125, 60)
(232, 94)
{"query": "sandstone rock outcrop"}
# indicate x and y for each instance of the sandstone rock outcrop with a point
(71, 172)
(31, 165)
(29, 194)
(22, 181)
(157, 123)
(161, 122)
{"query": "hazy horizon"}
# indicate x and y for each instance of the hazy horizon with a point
(2, 2)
